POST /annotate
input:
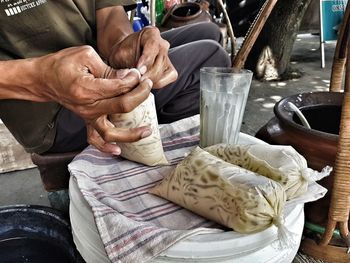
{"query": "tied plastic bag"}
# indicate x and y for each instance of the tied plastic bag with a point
(149, 150)
(282, 164)
(225, 193)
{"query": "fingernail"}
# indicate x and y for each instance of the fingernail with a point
(143, 69)
(146, 133)
(116, 151)
(149, 82)
(136, 71)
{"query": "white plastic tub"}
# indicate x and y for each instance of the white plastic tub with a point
(234, 247)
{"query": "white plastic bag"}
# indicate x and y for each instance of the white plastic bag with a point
(225, 193)
(149, 150)
(282, 164)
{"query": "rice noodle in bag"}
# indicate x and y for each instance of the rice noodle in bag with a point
(282, 164)
(225, 193)
(149, 150)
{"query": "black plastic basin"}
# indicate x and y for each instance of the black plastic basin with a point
(35, 234)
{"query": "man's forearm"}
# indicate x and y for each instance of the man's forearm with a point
(20, 79)
(113, 26)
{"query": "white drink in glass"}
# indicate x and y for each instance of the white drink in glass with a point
(223, 97)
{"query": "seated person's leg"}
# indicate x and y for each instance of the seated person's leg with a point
(181, 98)
(186, 34)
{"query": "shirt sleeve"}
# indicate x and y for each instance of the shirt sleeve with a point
(128, 4)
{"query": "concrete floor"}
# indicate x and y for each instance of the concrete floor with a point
(305, 58)
(24, 187)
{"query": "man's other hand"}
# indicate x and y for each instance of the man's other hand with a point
(147, 51)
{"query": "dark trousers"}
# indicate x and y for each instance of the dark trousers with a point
(191, 48)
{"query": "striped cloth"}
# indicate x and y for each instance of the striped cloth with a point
(136, 226)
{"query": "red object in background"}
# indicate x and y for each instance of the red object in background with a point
(169, 3)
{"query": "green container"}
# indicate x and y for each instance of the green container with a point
(159, 11)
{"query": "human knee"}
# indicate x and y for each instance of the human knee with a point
(208, 30)
(219, 56)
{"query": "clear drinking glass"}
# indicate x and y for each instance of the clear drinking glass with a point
(223, 97)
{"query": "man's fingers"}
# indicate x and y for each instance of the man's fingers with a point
(110, 133)
(104, 80)
(169, 76)
(146, 60)
(78, 76)
(121, 104)
(111, 73)
(96, 140)
(126, 135)
(162, 72)
(90, 89)
(152, 46)
(156, 70)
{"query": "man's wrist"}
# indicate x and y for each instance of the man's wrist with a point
(21, 80)
(113, 26)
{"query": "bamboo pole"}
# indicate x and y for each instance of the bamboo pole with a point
(253, 33)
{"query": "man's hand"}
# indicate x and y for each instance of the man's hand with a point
(78, 79)
(147, 51)
(126, 53)
(101, 131)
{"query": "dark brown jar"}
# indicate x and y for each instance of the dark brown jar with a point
(318, 145)
(185, 14)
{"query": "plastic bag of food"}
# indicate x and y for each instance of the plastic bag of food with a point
(149, 150)
(282, 164)
(225, 193)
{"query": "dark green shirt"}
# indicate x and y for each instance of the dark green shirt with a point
(33, 28)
